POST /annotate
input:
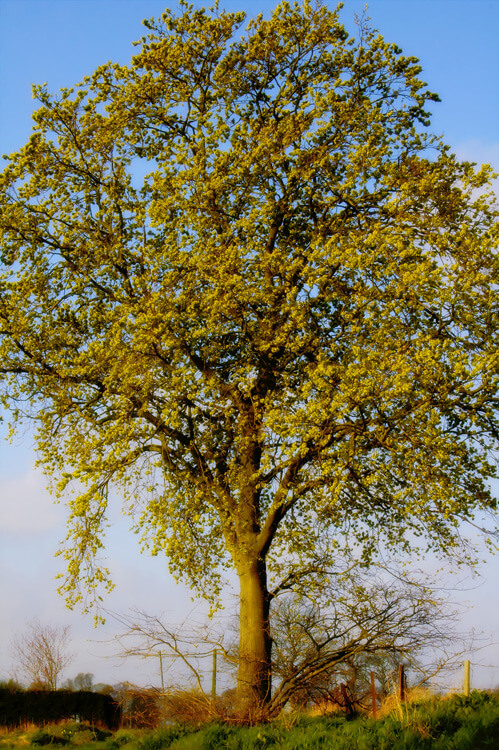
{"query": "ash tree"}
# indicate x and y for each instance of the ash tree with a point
(243, 283)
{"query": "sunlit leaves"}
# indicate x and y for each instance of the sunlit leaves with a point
(245, 287)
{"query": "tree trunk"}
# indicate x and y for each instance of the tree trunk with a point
(255, 645)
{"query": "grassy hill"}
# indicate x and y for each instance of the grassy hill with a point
(452, 723)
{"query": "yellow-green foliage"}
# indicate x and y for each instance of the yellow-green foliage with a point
(241, 282)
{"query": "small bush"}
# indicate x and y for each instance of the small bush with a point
(188, 707)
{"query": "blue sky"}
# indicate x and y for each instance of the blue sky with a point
(60, 41)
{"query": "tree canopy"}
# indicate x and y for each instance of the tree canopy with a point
(243, 283)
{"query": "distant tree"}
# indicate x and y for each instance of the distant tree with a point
(41, 654)
(244, 283)
(83, 681)
(106, 689)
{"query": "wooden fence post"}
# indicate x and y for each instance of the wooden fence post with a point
(214, 676)
(373, 694)
(161, 672)
(467, 678)
(402, 685)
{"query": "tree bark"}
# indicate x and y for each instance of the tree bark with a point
(255, 644)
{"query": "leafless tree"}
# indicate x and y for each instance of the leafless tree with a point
(363, 622)
(42, 653)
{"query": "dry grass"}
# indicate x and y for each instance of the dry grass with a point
(18, 738)
(325, 708)
(393, 705)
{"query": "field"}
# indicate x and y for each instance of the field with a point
(452, 723)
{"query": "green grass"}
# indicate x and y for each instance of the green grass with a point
(454, 723)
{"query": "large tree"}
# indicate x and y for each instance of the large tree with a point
(244, 284)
